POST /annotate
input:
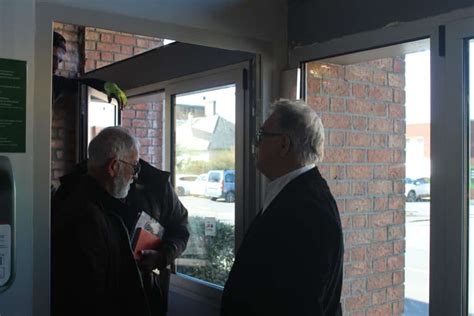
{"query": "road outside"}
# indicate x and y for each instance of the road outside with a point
(204, 207)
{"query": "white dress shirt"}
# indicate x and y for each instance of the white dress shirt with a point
(274, 187)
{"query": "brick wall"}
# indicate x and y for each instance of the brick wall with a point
(88, 49)
(145, 121)
(362, 107)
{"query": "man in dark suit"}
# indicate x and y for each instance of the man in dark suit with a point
(290, 261)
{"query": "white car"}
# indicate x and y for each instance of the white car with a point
(198, 187)
(417, 190)
(184, 183)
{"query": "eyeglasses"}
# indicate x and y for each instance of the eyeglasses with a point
(261, 133)
(136, 167)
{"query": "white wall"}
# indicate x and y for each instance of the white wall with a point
(17, 25)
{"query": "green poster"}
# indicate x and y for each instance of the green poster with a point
(12, 105)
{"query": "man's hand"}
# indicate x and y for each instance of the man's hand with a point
(151, 259)
(113, 91)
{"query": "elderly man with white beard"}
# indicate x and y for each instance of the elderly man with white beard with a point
(93, 268)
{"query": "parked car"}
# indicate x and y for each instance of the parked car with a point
(198, 187)
(221, 184)
(417, 190)
(184, 183)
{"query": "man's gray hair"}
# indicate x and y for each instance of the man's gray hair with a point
(111, 143)
(303, 126)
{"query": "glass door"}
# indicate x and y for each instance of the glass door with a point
(207, 150)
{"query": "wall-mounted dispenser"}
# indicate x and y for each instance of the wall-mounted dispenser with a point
(7, 223)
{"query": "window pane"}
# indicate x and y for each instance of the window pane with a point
(204, 179)
(376, 115)
(101, 115)
(471, 179)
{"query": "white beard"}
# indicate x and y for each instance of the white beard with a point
(120, 186)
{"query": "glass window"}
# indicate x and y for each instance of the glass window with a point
(205, 152)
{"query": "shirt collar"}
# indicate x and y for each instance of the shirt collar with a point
(274, 187)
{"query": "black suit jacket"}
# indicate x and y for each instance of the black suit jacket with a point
(290, 262)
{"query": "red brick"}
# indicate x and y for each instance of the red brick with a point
(396, 263)
(358, 155)
(396, 111)
(339, 188)
(357, 139)
(336, 138)
(359, 205)
(89, 65)
(396, 202)
(380, 125)
(105, 47)
(358, 188)
(336, 87)
(339, 155)
(398, 308)
(127, 50)
(153, 133)
(380, 187)
(143, 106)
(397, 171)
(358, 254)
(141, 133)
(358, 73)
(107, 56)
(379, 297)
(359, 287)
(359, 90)
(379, 155)
(399, 156)
(359, 221)
(359, 123)
(318, 103)
(338, 105)
(313, 85)
(396, 80)
(396, 293)
(101, 64)
(358, 106)
(140, 123)
(125, 40)
(106, 38)
(337, 172)
(383, 64)
(399, 217)
(324, 70)
(379, 281)
(358, 268)
(346, 222)
(128, 113)
(126, 123)
(381, 93)
(382, 172)
(57, 144)
(379, 265)
(398, 277)
(399, 65)
(379, 140)
(380, 77)
(380, 310)
(92, 36)
(396, 141)
(380, 234)
(138, 50)
(399, 126)
(90, 45)
(143, 150)
(380, 250)
(157, 141)
(381, 219)
(357, 302)
(339, 121)
(92, 54)
(399, 96)
(359, 237)
(396, 232)
(359, 172)
(399, 246)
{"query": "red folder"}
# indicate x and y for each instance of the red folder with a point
(144, 240)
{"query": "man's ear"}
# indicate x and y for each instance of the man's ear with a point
(112, 168)
(285, 145)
